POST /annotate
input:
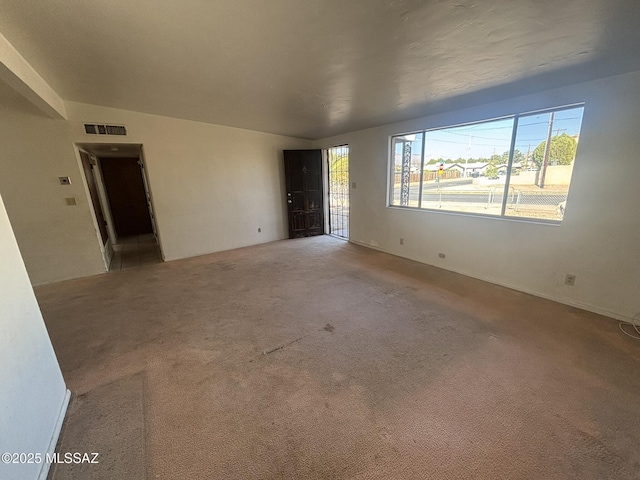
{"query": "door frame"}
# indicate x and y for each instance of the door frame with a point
(149, 194)
(327, 190)
(105, 248)
(104, 199)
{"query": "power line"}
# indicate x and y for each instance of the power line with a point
(520, 125)
(506, 144)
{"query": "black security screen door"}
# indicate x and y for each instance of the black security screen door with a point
(303, 173)
(338, 172)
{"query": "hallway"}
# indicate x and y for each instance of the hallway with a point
(135, 251)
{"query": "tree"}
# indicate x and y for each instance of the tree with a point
(339, 168)
(518, 156)
(491, 172)
(562, 151)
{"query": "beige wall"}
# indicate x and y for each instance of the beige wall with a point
(598, 241)
(57, 241)
(212, 186)
(33, 397)
(555, 175)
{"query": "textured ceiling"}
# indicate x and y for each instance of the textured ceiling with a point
(315, 68)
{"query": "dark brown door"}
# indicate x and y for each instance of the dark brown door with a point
(127, 197)
(93, 193)
(303, 174)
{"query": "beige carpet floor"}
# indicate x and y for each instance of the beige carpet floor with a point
(319, 359)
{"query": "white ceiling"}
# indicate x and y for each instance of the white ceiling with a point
(314, 68)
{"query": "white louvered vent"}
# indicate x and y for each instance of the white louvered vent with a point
(98, 129)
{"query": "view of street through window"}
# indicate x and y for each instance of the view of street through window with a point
(499, 167)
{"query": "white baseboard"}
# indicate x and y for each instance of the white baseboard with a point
(571, 303)
(44, 471)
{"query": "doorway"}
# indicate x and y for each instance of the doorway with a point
(127, 197)
(127, 204)
(338, 190)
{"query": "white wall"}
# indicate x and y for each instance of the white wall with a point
(212, 186)
(598, 241)
(57, 241)
(33, 396)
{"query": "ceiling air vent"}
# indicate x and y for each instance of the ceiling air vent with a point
(94, 129)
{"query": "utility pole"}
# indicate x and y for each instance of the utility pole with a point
(466, 162)
(547, 149)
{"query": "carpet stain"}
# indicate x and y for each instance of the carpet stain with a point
(190, 369)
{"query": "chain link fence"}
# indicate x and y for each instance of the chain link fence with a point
(519, 203)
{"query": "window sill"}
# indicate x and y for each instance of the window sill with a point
(551, 223)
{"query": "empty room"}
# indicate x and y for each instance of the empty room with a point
(319, 239)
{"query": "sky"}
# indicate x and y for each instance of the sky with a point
(482, 140)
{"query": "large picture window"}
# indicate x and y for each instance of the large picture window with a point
(518, 166)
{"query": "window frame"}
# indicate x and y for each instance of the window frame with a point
(514, 133)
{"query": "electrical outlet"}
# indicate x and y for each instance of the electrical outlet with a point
(259, 230)
(402, 241)
(71, 201)
(441, 255)
(570, 280)
(353, 184)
